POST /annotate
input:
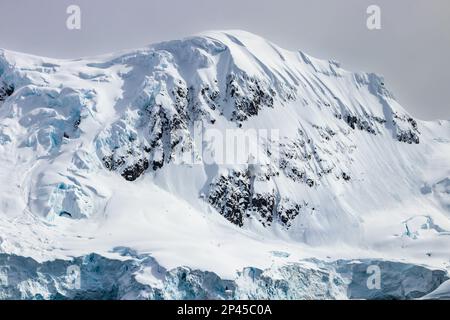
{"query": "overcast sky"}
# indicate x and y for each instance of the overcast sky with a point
(412, 49)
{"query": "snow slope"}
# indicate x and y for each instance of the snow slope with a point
(103, 152)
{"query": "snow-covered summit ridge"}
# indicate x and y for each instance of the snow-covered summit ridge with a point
(94, 154)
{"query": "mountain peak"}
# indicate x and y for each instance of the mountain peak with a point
(106, 150)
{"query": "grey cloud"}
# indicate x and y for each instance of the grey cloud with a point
(411, 50)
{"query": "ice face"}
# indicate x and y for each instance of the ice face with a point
(141, 277)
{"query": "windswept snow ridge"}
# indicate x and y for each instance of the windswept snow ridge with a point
(211, 153)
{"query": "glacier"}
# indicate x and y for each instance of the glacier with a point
(103, 152)
(141, 277)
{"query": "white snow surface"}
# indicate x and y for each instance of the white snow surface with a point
(64, 116)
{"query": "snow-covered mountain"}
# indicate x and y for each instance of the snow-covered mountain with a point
(131, 151)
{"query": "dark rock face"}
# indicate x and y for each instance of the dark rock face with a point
(133, 172)
(407, 129)
(5, 91)
(249, 96)
(263, 204)
(234, 197)
(366, 123)
(246, 94)
(230, 195)
(211, 96)
(355, 122)
(130, 170)
(287, 211)
(168, 134)
(345, 176)
(163, 137)
(352, 120)
(408, 136)
(303, 160)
